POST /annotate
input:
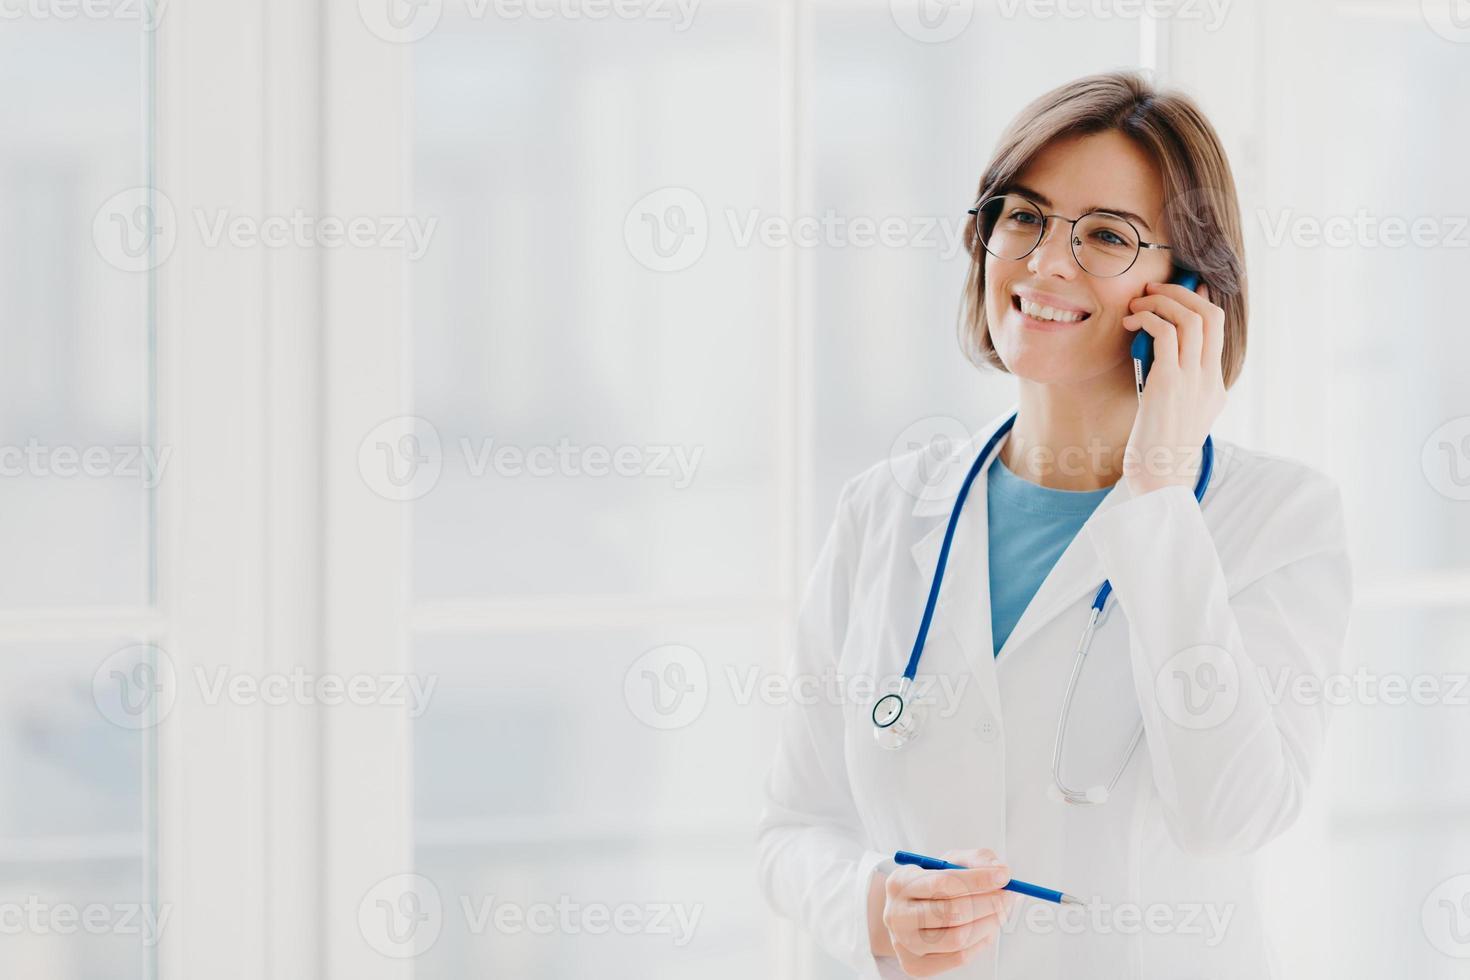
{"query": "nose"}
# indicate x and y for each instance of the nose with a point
(1053, 254)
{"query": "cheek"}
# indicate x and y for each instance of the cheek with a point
(1113, 297)
(1114, 306)
(999, 272)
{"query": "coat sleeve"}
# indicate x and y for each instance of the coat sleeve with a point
(814, 862)
(1232, 750)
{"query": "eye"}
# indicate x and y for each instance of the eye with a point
(1023, 216)
(1108, 237)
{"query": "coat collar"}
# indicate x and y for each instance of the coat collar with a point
(964, 598)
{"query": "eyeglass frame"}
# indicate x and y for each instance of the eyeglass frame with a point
(1071, 233)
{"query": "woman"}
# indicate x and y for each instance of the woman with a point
(1099, 193)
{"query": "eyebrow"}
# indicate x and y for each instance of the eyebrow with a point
(1042, 199)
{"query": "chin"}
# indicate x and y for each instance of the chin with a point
(1041, 366)
(1052, 358)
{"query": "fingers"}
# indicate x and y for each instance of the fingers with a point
(955, 939)
(972, 857)
(1166, 337)
(1199, 323)
(953, 884)
(938, 915)
(932, 953)
(939, 920)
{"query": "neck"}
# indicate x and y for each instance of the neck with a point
(1071, 436)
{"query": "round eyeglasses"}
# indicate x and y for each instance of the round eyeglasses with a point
(1104, 244)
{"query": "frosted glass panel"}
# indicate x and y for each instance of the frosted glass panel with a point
(76, 463)
(75, 824)
(607, 425)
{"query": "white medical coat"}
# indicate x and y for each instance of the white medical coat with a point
(1218, 609)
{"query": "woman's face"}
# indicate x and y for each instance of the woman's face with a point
(1106, 171)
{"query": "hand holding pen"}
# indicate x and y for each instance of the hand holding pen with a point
(1013, 885)
(937, 922)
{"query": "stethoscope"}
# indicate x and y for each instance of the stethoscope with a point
(897, 721)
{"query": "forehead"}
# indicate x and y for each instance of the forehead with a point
(1102, 170)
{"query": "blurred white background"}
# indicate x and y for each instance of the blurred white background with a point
(360, 451)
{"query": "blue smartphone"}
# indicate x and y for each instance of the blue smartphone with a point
(1143, 343)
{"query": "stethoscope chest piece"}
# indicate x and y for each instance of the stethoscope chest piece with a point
(896, 719)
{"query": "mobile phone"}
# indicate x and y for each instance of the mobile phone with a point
(1143, 343)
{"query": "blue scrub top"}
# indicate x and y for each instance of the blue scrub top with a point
(1030, 527)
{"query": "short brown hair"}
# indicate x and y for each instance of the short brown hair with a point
(1201, 211)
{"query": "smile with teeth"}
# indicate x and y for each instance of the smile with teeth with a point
(1038, 312)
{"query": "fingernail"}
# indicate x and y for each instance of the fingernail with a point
(1000, 877)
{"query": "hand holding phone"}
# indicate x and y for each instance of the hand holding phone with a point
(1143, 343)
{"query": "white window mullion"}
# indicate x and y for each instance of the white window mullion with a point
(366, 785)
(210, 370)
(291, 487)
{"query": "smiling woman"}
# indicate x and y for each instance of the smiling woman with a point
(1107, 143)
(1227, 568)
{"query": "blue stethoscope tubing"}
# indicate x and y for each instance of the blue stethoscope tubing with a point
(1207, 464)
(893, 728)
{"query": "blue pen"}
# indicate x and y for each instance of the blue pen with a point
(1019, 887)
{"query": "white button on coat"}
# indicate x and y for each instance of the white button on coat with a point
(1218, 605)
